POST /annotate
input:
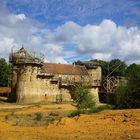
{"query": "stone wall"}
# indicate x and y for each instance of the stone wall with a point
(95, 76)
(95, 73)
(95, 94)
(54, 91)
(29, 88)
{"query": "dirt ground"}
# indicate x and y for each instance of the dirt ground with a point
(44, 122)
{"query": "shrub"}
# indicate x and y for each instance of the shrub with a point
(110, 98)
(128, 96)
(90, 111)
(76, 113)
(83, 97)
(100, 108)
(38, 116)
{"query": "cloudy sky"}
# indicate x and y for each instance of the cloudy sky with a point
(68, 30)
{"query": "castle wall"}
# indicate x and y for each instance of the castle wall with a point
(95, 73)
(33, 82)
(95, 94)
(54, 92)
(29, 89)
(66, 95)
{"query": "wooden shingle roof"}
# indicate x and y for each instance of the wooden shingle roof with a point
(65, 69)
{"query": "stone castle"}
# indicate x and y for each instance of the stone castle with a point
(34, 81)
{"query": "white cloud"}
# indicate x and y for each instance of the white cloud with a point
(6, 45)
(18, 30)
(20, 16)
(104, 41)
(67, 32)
(54, 53)
(102, 56)
(16, 18)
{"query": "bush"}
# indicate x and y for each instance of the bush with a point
(82, 97)
(128, 96)
(110, 98)
(90, 111)
(100, 108)
(38, 116)
(76, 113)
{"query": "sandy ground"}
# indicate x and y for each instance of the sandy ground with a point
(105, 125)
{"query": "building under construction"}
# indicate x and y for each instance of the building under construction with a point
(33, 80)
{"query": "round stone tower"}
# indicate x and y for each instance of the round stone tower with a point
(26, 85)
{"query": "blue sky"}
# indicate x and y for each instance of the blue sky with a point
(69, 30)
(53, 13)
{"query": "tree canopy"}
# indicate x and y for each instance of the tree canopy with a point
(128, 95)
(4, 73)
(116, 67)
(133, 70)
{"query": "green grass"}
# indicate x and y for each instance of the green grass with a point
(90, 111)
(100, 108)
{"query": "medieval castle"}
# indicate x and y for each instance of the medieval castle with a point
(34, 81)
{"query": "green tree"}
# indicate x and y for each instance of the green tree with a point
(128, 95)
(78, 62)
(82, 96)
(4, 73)
(133, 70)
(118, 67)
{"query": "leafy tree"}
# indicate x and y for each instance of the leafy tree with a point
(118, 67)
(83, 97)
(128, 95)
(4, 73)
(133, 70)
(78, 62)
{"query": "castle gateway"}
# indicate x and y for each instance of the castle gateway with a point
(34, 81)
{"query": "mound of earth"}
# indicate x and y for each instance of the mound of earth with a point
(105, 125)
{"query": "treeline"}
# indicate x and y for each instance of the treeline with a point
(127, 94)
(116, 66)
(4, 73)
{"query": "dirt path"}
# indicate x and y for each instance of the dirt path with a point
(106, 125)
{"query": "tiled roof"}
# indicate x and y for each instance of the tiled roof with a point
(5, 90)
(65, 69)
